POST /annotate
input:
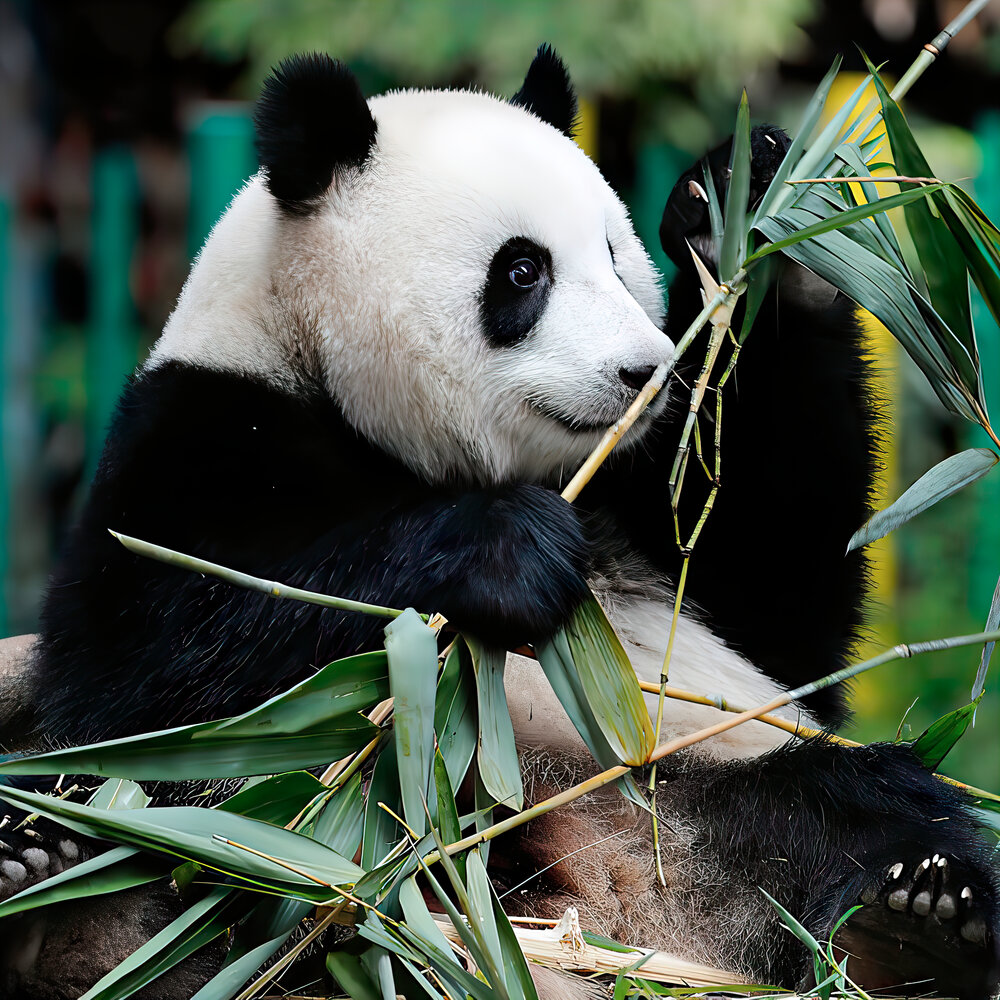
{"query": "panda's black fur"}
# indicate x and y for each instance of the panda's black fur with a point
(273, 478)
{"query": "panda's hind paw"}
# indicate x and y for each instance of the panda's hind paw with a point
(922, 926)
(33, 852)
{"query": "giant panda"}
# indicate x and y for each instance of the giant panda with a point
(403, 336)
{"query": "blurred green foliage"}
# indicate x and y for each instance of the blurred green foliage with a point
(614, 47)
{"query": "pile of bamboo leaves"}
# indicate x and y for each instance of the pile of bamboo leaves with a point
(291, 854)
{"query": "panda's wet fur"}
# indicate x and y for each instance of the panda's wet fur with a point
(349, 398)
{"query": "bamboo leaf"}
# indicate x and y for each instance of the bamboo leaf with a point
(940, 254)
(119, 793)
(455, 723)
(933, 744)
(992, 624)
(942, 481)
(119, 868)
(309, 725)
(482, 917)
(412, 650)
(201, 835)
(194, 928)
(609, 683)
(347, 970)
(446, 813)
(499, 767)
(734, 238)
(814, 109)
(846, 217)
(376, 962)
(277, 799)
(381, 831)
(419, 919)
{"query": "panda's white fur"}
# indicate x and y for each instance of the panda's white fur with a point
(388, 271)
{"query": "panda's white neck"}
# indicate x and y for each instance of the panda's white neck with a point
(223, 311)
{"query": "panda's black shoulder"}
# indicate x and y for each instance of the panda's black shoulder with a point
(198, 456)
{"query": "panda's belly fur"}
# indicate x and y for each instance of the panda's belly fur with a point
(700, 663)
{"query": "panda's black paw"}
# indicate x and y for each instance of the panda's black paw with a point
(32, 852)
(517, 565)
(925, 926)
(686, 216)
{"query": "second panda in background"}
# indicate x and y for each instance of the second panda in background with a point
(403, 335)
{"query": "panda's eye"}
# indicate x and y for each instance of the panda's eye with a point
(524, 273)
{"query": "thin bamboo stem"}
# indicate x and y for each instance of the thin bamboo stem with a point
(900, 651)
(724, 297)
(930, 52)
(273, 589)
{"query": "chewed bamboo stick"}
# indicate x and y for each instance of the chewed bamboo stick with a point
(544, 947)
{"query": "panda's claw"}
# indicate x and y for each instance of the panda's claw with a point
(922, 922)
(24, 862)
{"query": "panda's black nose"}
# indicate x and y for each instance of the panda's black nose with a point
(636, 378)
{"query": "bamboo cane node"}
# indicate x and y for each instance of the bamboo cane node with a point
(932, 49)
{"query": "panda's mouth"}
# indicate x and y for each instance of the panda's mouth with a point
(574, 424)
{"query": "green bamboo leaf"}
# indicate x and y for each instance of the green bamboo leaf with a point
(201, 835)
(455, 724)
(381, 832)
(226, 983)
(814, 109)
(412, 650)
(992, 624)
(734, 237)
(419, 918)
(794, 926)
(277, 799)
(933, 744)
(309, 725)
(520, 985)
(119, 868)
(940, 255)
(468, 930)
(610, 683)
(482, 916)
(499, 766)
(119, 793)
(199, 924)
(379, 968)
(758, 284)
(347, 970)
(714, 208)
(885, 292)
(942, 481)
(847, 217)
(446, 812)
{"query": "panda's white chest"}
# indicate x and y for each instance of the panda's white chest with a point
(700, 663)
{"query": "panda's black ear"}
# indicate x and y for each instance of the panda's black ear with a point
(547, 91)
(311, 120)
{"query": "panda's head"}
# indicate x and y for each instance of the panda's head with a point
(452, 266)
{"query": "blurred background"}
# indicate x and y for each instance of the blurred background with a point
(124, 131)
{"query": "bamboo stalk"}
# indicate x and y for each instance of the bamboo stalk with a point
(929, 53)
(725, 297)
(543, 947)
(270, 587)
(900, 651)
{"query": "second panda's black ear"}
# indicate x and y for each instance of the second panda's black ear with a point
(547, 91)
(311, 120)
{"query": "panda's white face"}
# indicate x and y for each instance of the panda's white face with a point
(477, 297)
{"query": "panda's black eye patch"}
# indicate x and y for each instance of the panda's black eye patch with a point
(518, 282)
